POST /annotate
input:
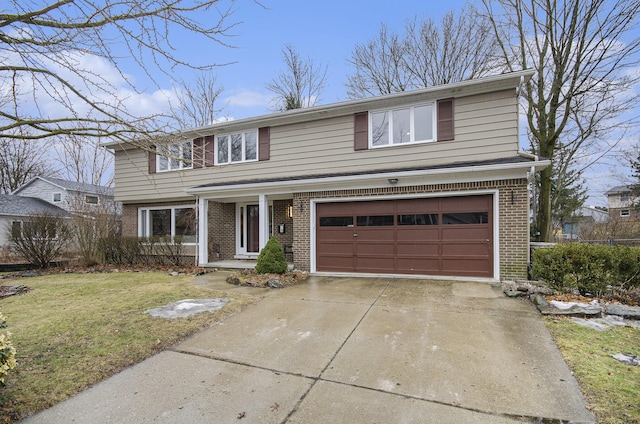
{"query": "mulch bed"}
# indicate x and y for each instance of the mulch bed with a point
(250, 278)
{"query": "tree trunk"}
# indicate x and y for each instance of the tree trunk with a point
(543, 214)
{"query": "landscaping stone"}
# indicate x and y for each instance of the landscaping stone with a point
(6, 291)
(514, 293)
(628, 312)
(627, 358)
(539, 301)
(274, 283)
(574, 311)
(30, 274)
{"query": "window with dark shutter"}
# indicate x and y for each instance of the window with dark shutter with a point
(198, 152)
(152, 159)
(445, 120)
(264, 142)
(361, 131)
(208, 151)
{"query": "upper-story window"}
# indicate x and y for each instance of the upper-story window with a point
(175, 156)
(625, 197)
(237, 147)
(57, 197)
(413, 124)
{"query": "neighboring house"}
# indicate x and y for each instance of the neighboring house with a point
(15, 210)
(621, 204)
(70, 195)
(583, 221)
(426, 182)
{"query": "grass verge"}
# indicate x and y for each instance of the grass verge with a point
(611, 388)
(73, 330)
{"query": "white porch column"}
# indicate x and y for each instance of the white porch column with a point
(263, 206)
(203, 231)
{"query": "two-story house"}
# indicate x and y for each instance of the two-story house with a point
(72, 196)
(427, 182)
(620, 202)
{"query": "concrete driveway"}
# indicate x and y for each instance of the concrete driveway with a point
(350, 350)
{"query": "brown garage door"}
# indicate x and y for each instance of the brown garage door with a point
(434, 236)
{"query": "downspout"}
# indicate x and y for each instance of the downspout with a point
(197, 256)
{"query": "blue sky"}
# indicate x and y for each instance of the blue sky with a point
(327, 31)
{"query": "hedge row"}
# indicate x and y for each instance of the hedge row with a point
(138, 250)
(592, 269)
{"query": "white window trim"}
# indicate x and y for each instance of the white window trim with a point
(625, 213)
(181, 166)
(244, 147)
(53, 197)
(241, 251)
(146, 211)
(412, 124)
(86, 196)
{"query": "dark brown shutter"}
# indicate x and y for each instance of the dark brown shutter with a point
(361, 131)
(445, 120)
(209, 159)
(264, 143)
(152, 159)
(198, 152)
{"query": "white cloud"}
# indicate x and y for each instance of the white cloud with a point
(248, 98)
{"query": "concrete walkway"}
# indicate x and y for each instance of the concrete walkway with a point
(350, 350)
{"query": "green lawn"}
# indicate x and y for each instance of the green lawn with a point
(611, 388)
(73, 330)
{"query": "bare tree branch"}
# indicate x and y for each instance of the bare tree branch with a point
(584, 53)
(47, 52)
(300, 84)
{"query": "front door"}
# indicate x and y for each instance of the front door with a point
(248, 228)
(253, 229)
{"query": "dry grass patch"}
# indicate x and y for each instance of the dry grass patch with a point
(73, 330)
(611, 388)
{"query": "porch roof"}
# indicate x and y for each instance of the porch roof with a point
(511, 167)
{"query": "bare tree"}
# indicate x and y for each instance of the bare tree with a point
(380, 66)
(461, 47)
(300, 84)
(20, 162)
(82, 159)
(42, 238)
(583, 53)
(46, 50)
(197, 103)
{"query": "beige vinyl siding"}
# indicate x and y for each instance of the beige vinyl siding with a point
(485, 128)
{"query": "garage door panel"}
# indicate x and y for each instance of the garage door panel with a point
(466, 249)
(418, 250)
(419, 265)
(375, 264)
(335, 248)
(466, 232)
(466, 266)
(432, 236)
(379, 234)
(417, 234)
(384, 249)
(336, 264)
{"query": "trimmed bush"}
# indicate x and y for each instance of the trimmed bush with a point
(271, 259)
(588, 268)
(7, 352)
